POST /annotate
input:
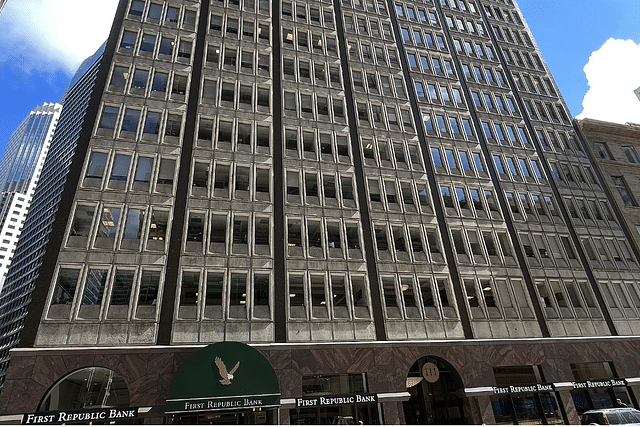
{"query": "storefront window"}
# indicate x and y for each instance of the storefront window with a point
(335, 399)
(595, 387)
(521, 397)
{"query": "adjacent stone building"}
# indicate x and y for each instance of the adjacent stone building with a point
(615, 149)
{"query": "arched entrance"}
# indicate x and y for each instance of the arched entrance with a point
(432, 384)
(89, 395)
(224, 383)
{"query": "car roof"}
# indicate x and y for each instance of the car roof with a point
(593, 411)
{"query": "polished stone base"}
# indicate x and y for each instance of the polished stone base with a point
(148, 371)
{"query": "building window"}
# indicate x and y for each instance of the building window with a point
(189, 295)
(119, 77)
(131, 120)
(148, 43)
(179, 85)
(166, 175)
(134, 227)
(93, 293)
(157, 229)
(81, 226)
(184, 49)
(602, 151)
(137, 7)
(108, 118)
(63, 293)
(96, 166)
(121, 293)
(189, 20)
(152, 123)
(261, 298)
(119, 171)
(631, 154)
(238, 296)
(128, 40)
(148, 294)
(621, 186)
(173, 126)
(142, 177)
(154, 13)
(159, 84)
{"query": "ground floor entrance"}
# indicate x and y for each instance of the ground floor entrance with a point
(433, 384)
(526, 381)
(226, 418)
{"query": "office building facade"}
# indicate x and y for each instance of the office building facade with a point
(615, 149)
(388, 199)
(19, 172)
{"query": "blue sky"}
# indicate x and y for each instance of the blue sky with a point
(43, 41)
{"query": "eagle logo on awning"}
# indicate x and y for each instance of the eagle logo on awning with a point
(224, 374)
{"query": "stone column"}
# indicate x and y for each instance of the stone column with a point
(393, 413)
(486, 410)
(569, 408)
(285, 419)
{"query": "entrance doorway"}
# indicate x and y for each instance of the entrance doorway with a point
(225, 418)
(432, 384)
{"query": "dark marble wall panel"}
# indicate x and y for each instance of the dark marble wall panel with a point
(149, 371)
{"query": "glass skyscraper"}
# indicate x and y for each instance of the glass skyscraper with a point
(19, 172)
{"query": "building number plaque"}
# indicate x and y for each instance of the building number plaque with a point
(430, 372)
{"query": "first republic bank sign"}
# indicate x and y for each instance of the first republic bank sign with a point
(85, 417)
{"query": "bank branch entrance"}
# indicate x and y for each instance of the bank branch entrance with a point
(224, 383)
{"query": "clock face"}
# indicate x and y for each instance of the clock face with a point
(430, 372)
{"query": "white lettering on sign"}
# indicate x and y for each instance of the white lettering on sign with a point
(597, 384)
(365, 399)
(39, 419)
(191, 406)
(523, 389)
(544, 387)
(306, 402)
(120, 414)
(223, 404)
(79, 417)
(337, 400)
(252, 402)
(594, 384)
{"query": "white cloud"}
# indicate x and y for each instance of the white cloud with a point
(613, 73)
(53, 34)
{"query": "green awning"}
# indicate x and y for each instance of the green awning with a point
(224, 376)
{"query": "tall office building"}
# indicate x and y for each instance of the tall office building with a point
(19, 172)
(386, 198)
